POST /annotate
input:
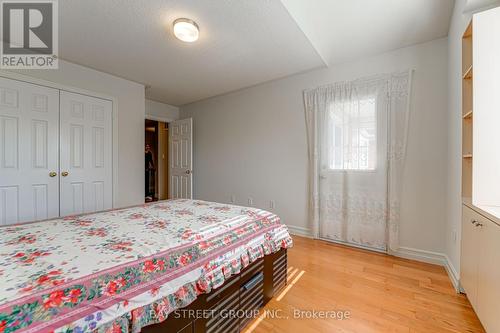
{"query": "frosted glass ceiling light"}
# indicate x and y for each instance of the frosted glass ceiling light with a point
(186, 30)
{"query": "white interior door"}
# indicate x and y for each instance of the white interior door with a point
(29, 137)
(86, 154)
(181, 158)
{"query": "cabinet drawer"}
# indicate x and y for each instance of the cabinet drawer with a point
(251, 296)
(221, 319)
(280, 267)
(229, 287)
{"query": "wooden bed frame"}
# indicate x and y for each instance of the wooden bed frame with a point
(229, 308)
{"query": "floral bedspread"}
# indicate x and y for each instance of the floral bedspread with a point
(120, 270)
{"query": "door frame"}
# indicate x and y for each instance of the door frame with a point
(156, 118)
(68, 88)
(167, 121)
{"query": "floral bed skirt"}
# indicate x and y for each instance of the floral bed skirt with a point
(120, 270)
(213, 275)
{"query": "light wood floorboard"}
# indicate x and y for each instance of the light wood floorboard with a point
(382, 293)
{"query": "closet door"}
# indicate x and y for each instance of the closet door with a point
(86, 154)
(29, 137)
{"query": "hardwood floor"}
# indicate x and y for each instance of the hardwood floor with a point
(380, 293)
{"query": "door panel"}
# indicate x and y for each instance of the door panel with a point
(29, 143)
(9, 205)
(470, 254)
(181, 140)
(488, 292)
(86, 154)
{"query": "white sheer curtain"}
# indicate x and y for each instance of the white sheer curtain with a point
(357, 133)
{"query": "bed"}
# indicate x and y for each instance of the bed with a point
(124, 270)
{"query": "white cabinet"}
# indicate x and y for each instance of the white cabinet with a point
(480, 257)
(480, 267)
(488, 278)
(470, 253)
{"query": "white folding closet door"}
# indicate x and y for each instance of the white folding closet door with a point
(29, 158)
(86, 157)
(181, 158)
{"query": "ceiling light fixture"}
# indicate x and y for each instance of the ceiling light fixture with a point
(186, 30)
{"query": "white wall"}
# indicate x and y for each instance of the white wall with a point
(161, 111)
(130, 106)
(252, 143)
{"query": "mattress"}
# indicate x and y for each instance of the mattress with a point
(120, 270)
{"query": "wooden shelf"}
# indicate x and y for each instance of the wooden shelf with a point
(467, 122)
(468, 73)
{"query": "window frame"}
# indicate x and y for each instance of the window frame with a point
(331, 150)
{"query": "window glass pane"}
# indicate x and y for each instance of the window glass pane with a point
(353, 135)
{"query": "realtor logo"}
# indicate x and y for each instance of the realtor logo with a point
(29, 34)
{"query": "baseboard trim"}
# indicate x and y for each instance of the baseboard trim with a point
(300, 231)
(454, 276)
(420, 255)
(431, 258)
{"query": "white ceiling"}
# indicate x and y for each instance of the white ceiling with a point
(342, 30)
(242, 42)
(474, 5)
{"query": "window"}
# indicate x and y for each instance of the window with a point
(353, 135)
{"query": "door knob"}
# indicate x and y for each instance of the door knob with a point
(188, 172)
(52, 174)
(64, 173)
